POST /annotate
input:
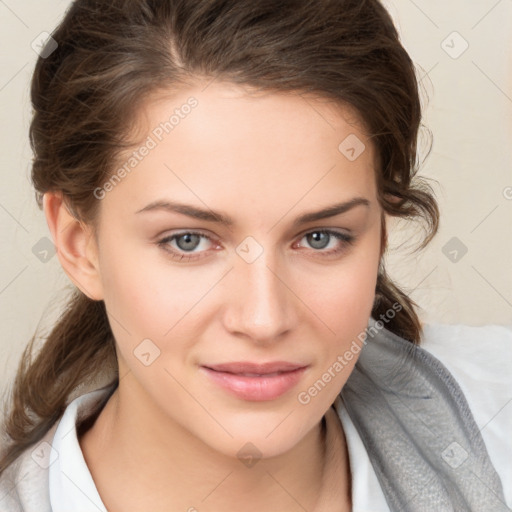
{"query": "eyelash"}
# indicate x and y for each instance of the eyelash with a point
(347, 240)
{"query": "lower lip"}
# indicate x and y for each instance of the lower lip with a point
(256, 388)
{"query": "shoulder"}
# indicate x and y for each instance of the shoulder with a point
(435, 420)
(480, 360)
(475, 351)
(24, 484)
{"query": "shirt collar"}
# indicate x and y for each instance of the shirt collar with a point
(72, 486)
(71, 483)
(367, 495)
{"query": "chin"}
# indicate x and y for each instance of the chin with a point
(264, 436)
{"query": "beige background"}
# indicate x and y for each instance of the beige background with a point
(469, 113)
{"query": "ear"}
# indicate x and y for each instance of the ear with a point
(76, 246)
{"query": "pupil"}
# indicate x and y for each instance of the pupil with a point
(317, 243)
(189, 239)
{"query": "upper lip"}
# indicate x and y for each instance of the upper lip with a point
(258, 368)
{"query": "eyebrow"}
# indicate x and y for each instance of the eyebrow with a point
(226, 220)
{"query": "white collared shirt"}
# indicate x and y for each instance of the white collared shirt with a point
(71, 483)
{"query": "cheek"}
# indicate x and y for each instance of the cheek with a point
(133, 289)
(343, 295)
(147, 295)
(343, 304)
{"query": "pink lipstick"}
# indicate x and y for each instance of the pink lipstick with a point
(256, 382)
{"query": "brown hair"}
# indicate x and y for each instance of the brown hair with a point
(112, 54)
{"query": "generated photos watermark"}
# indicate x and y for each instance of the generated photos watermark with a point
(343, 360)
(156, 136)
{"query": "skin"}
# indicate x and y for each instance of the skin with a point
(168, 438)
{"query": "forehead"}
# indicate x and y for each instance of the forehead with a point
(225, 103)
(221, 142)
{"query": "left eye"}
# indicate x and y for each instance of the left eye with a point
(320, 239)
(186, 242)
(180, 244)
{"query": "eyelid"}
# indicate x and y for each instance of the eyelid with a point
(206, 234)
(164, 241)
(345, 238)
(314, 229)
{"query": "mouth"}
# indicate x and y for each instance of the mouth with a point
(255, 382)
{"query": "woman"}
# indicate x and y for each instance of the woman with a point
(216, 178)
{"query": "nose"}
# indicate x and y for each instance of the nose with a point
(260, 304)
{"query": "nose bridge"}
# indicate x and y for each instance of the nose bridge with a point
(260, 305)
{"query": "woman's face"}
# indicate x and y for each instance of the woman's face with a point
(187, 291)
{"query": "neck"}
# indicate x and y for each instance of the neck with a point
(139, 464)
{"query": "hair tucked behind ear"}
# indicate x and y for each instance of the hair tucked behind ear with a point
(112, 55)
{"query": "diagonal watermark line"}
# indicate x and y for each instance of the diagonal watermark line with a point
(487, 281)
(120, 324)
(486, 14)
(301, 198)
(88, 294)
(317, 111)
(428, 72)
(425, 14)
(13, 218)
(12, 280)
(494, 209)
(191, 190)
(199, 403)
(70, 223)
(509, 401)
(285, 490)
(397, 396)
(404, 507)
(426, 277)
(13, 77)
(208, 84)
(485, 485)
(492, 81)
(96, 506)
(211, 288)
(107, 311)
(301, 300)
(3, 3)
(280, 423)
(217, 486)
(8, 493)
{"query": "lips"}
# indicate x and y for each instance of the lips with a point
(256, 369)
(255, 381)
